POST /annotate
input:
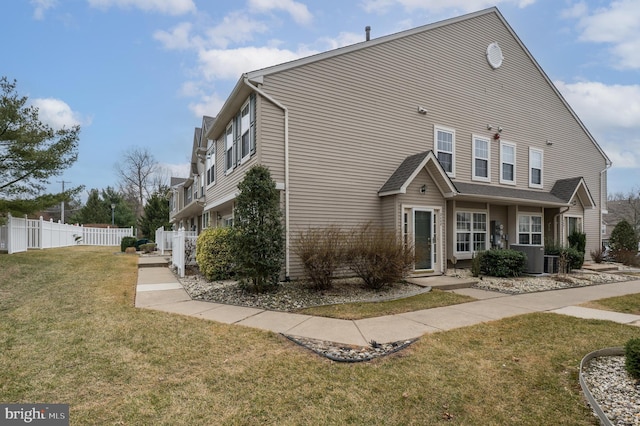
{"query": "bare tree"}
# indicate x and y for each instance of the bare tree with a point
(137, 176)
(624, 206)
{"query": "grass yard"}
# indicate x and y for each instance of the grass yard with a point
(626, 304)
(69, 334)
(356, 311)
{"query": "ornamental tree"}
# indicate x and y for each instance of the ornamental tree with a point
(258, 238)
(31, 152)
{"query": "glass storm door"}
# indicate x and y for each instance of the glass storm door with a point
(423, 236)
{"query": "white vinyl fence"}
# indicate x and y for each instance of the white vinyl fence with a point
(21, 234)
(183, 251)
(164, 239)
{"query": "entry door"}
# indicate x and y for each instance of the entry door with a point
(423, 239)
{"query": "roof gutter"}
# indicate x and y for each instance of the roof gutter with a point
(287, 237)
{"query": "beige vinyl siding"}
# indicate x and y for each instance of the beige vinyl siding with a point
(270, 137)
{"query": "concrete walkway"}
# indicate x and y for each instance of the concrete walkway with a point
(158, 289)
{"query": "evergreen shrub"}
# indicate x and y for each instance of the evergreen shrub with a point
(213, 253)
(127, 242)
(503, 263)
(632, 358)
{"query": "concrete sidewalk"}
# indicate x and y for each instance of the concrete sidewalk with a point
(159, 289)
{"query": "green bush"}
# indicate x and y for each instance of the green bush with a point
(623, 239)
(213, 253)
(575, 258)
(148, 248)
(578, 240)
(503, 263)
(321, 251)
(378, 256)
(127, 242)
(476, 264)
(632, 358)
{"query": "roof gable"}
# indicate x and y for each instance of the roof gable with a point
(409, 169)
(568, 189)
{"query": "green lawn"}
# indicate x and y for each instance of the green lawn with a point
(360, 310)
(69, 334)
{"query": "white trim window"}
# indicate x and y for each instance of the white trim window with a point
(530, 229)
(228, 153)
(210, 163)
(445, 148)
(535, 167)
(481, 159)
(471, 232)
(507, 163)
(573, 224)
(245, 139)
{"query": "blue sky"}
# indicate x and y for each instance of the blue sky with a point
(141, 73)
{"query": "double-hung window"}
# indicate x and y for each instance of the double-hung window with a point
(480, 166)
(507, 163)
(535, 168)
(245, 144)
(471, 232)
(211, 162)
(445, 144)
(530, 230)
(228, 155)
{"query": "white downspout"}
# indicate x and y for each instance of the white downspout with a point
(287, 237)
(608, 166)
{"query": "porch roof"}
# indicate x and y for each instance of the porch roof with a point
(510, 195)
(568, 189)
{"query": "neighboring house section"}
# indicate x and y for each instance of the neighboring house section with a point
(618, 210)
(449, 133)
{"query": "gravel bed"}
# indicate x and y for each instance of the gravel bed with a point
(346, 353)
(529, 284)
(615, 391)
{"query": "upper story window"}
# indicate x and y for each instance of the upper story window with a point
(530, 230)
(445, 144)
(240, 137)
(535, 168)
(507, 163)
(481, 153)
(210, 164)
(229, 164)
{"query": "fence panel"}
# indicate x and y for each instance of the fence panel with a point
(184, 250)
(17, 235)
(20, 234)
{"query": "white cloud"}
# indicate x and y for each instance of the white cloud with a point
(41, 6)
(57, 113)
(382, 6)
(175, 170)
(617, 25)
(344, 39)
(169, 7)
(298, 11)
(231, 63)
(612, 114)
(178, 38)
(236, 27)
(209, 105)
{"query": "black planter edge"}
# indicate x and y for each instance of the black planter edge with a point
(614, 351)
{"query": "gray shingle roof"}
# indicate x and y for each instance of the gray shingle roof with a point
(403, 172)
(565, 188)
(491, 191)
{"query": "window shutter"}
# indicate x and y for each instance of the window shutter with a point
(236, 140)
(252, 119)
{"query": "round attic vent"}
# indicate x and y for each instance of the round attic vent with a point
(494, 55)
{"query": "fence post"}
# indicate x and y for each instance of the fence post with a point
(41, 233)
(9, 240)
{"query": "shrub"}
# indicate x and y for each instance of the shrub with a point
(627, 257)
(578, 240)
(575, 258)
(623, 239)
(213, 253)
(598, 255)
(321, 251)
(503, 263)
(148, 248)
(476, 264)
(378, 256)
(258, 238)
(127, 242)
(632, 358)
(141, 242)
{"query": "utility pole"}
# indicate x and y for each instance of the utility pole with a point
(62, 203)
